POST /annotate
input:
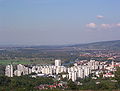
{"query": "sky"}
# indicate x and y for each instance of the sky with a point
(58, 22)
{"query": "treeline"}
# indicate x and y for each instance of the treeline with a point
(90, 84)
(23, 83)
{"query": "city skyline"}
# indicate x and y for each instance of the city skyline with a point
(51, 22)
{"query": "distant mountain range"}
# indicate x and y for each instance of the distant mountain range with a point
(100, 45)
(115, 44)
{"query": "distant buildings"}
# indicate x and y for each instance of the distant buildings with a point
(9, 71)
(22, 70)
(81, 70)
(57, 62)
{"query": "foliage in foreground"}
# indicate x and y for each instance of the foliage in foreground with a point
(26, 83)
(23, 83)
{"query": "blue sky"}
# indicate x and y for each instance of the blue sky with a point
(51, 22)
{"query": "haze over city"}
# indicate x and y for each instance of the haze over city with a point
(57, 22)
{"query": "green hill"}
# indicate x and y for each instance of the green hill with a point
(100, 45)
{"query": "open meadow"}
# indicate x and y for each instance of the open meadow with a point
(25, 62)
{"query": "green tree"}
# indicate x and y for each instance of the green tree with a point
(117, 77)
(4, 80)
(72, 85)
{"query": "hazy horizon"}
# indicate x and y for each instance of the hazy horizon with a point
(58, 22)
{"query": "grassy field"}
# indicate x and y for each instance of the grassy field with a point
(5, 62)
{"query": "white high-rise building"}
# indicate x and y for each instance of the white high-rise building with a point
(20, 67)
(9, 71)
(80, 73)
(73, 76)
(57, 62)
(86, 71)
(17, 73)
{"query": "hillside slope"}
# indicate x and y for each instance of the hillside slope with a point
(100, 45)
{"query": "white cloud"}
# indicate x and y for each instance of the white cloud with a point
(110, 25)
(91, 25)
(118, 25)
(103, 26)
(99, 16)
(106, 25)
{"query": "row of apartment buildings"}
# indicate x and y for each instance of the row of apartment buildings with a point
(82, 70)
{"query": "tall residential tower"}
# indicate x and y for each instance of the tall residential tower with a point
(57, 62)
(9, 71)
